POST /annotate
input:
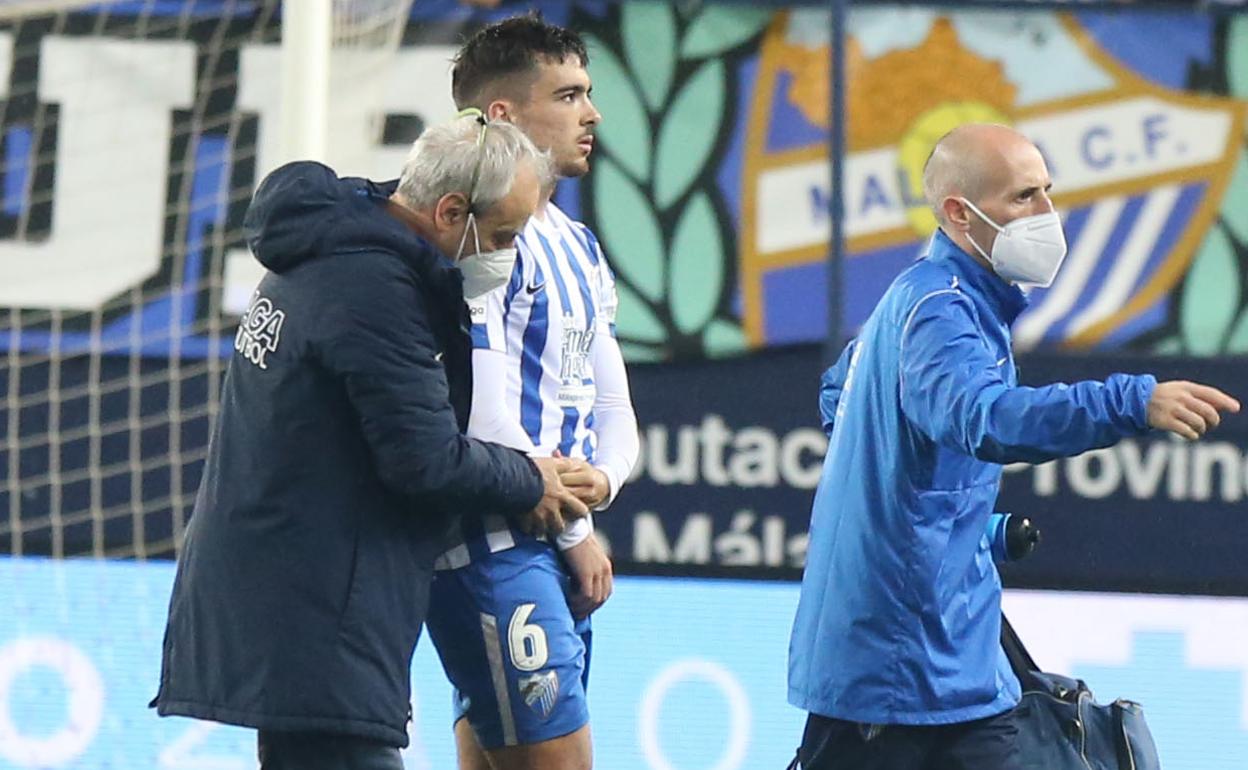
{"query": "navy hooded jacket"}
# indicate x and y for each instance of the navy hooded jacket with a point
(334, 466)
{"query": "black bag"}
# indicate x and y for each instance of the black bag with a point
(1061, 727)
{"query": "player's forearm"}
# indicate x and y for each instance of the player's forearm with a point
(614, 418)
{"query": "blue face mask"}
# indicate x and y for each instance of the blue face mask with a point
(1026, 250)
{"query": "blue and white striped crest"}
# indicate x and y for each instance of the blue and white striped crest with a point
(540, 691)
(1119, 248)
(1140, 167)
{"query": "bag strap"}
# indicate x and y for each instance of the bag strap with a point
(1023, 665)
(1122, 742)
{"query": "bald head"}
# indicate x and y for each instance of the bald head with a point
(975, 160)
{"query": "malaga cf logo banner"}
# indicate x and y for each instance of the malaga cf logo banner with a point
(133, 135)
(1141, 166)
(711, 186)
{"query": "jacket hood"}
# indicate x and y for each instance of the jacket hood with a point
(298, 206)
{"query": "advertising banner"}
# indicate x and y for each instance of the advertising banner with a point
(722, 488)
(687, 674)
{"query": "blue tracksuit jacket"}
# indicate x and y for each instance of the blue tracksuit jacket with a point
(899, 616)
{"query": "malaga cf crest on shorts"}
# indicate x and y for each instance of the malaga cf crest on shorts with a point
(540, 691)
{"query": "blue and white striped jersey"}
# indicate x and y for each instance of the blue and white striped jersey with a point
(544, 321)
(561, 294)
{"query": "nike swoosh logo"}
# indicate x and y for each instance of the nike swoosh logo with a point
(437, 356)
(534, 289)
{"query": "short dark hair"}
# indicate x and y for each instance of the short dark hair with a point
(508, 48)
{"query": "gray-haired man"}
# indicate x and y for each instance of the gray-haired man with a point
(339, 454)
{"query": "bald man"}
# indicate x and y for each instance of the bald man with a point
(895, 651)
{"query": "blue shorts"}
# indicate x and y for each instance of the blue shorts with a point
(518, 660)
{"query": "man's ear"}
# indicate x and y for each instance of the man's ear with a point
(499, 109)
(450, 210)
(957, 213)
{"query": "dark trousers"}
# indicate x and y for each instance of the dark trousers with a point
(280, 750)
(834, 744)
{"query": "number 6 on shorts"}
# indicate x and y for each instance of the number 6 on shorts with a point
(526, 640)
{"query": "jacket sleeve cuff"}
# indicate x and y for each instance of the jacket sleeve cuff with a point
(996, 537)
(1146, 384)
(536, 488)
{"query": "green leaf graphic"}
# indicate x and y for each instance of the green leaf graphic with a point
(1210, 295)
(695, 266)
(1237, 56)
(625, 129)
(688, 133)
(1238, 341)
(634, 320)
(1235, 203)
(722, 338)
(627, 224)
(721, 27)
(649, 31)
(1170, 346)
(637, 352)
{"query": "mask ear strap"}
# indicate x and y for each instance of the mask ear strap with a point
(982, 215)
(463, 239)
(978, 248)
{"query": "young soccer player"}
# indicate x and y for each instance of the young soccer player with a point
(510, 612)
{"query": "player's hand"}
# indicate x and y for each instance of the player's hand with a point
(557, 505)
(1188, 409)
(589, 484)
(590, 567)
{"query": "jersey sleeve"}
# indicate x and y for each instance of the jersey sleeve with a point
(489, 312)
(618, 442)
(490, 419)
(608, 300)
(604, 283)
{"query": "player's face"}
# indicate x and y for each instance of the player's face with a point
(1019, 187)
(559, 116)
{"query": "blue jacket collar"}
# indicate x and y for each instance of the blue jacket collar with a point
(1005, 299)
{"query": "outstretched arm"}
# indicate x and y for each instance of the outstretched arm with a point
(952, 391)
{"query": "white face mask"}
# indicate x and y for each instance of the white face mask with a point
(483, 272)
(1027, 250)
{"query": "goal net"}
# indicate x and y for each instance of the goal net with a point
(131, 137)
